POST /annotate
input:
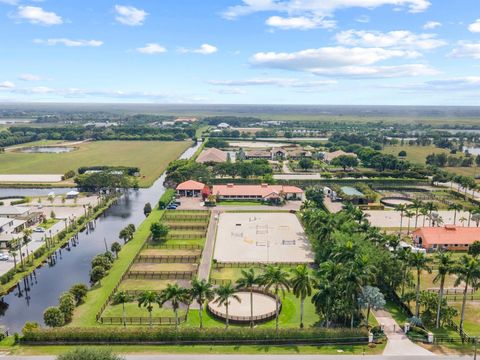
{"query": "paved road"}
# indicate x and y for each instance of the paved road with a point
(206, 261)
(398, 343)
(261, 357)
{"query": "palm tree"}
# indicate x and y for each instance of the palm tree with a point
(176, 295)
(323, 299)
(27, 238)
(431, 207)
(202, 291)
(445, 266)
(409, 214)
(12, 251)
(247, 281)
(463, 219)
(147, 299)
(122, 297)
(420, 262)
(401, 208)
(277, 279)
(468, 272)
(424, 213)
(224, 294)
(455, 208)
(417, 205)
(302, 283)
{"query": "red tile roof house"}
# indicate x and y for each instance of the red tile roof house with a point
(257, 192)
(191, 188)
(449, 237)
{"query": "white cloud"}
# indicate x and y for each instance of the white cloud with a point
(204, 49)
(342, 61)
(363, 19)
(309, 14)
(7, 85)
(467, 83)
(402, 39)
(9, 2)
(152, 48)
(282, 82)
(230, 91)
(432, 25)
(299, 22)
(36, 15)
(475, 27)
(129, 15)
(467, 49)
(69, 42)
(29, 77)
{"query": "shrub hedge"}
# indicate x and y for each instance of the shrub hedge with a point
(192, 335)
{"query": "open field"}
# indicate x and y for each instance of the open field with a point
(261, 237)
(152, 157)
(415, 154)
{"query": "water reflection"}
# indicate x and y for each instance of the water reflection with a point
(71, 264)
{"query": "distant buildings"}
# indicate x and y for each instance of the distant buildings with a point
(13, 220)
(212, 155)
(292, 153)
(186, 120)
(449, 237)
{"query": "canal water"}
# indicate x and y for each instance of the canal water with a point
(71, 265)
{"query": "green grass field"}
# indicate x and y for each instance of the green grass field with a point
(152, 157)
(415, 154)
(8, 346)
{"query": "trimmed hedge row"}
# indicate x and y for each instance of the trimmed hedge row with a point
(169, 335)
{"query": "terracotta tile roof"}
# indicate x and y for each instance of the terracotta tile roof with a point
(212, 155)
(191, 185)
(335, 154)
(253, 190)
(448, 234)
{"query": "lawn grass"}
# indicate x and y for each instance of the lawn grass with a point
(85, 314)
(289, 316)
(163, 267)
(48, 224)
(152, 157)
(398, 315)
(144, 284)
(415, 154)
(472, 316)
(291, 350)
(132, 309)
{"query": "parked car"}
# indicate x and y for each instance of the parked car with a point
(172, 207)
(4, 257)
(39, 229)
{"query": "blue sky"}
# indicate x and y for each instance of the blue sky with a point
(409, 52)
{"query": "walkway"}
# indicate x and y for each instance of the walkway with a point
(398, 343)
(207, 254)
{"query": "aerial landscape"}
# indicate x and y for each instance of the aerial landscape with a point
(251, 179)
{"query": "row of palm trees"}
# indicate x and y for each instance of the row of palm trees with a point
(426, 209)
(15, 247)
(274, 279)
(466, 269)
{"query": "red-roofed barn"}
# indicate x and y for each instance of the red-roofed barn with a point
(190, 188)
(449, 237)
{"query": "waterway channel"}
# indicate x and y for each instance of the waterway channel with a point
(71, 265)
